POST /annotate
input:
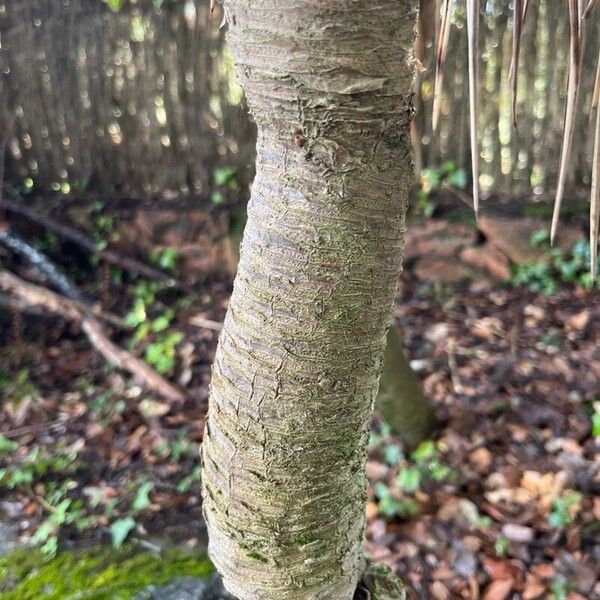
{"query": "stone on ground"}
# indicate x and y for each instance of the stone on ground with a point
(187, 588)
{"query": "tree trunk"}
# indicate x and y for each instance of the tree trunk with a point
(400, 401)
(299, 358)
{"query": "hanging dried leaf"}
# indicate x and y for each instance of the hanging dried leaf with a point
(518, 21)
(442, 51)
(473, 50)
(576, 40)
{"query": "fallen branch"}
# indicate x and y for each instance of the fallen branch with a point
(18, 304)
(15, 304)
(37, 259)
(55, 277)
(79, 238)
(50, 301)
(31, 429)
(204, 323)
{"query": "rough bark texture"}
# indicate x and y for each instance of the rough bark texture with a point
(301, 351)
(400, 401)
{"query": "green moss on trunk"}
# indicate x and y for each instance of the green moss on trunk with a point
(99, 573)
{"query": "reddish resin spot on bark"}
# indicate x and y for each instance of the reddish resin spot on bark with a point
(299, 139)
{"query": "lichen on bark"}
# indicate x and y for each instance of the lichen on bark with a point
(299, 358)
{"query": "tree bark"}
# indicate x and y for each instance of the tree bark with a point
(400, 401)
(298, 362)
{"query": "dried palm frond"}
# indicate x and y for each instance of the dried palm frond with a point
(579, 10)
(518, 20)
(596, 90)
(575, 53)
(595, 193)
(440, 59)
(590, 7)
(473, 50)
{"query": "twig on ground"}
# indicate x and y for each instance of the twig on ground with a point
(67, 308)
(453, 367)
(44, 266)
(29, 429)
(203, 322)
(37, 309)
(70, 233)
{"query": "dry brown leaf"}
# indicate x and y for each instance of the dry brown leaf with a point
(518, 432)
(534, 588)
(481, 459)
(596, 508)
(532, 482)
(544, 570)
(502, 569)
(443, 572)
(376, 470)
(371, 510)
(488, 328)
(498, 590)
(499, 569)
(439, 591)
(579, 321)
(153, 409)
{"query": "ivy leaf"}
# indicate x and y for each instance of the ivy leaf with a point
(119, 530)
(409, 479)
(7, 446)
(142, 498)
(393, 455)
(223, 175)
(424, 451)
(558, 519)
(43, 532)
(50, 548)
(596, 424)
(60, 514)
(115, 5)
(138, 313)
(382, 491)
(458, 178)
(161, 323)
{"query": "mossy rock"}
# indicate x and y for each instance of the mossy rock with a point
(94, 574)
